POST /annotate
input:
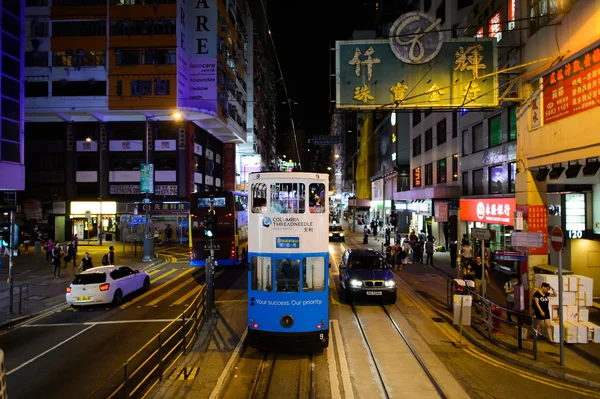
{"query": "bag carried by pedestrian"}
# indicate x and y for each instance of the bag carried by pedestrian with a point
(105, 260)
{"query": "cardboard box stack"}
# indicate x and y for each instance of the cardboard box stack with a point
(577, 296)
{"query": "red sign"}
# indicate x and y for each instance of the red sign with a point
(488, 210)
(512, 13)
(556, 238)
(572, 88)
(228, 167)
(479, 33)
(537, 222)
(495, 26)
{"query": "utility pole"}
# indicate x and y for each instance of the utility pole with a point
(148, 234)
(211, 227)
(10, 261)
(101, 193)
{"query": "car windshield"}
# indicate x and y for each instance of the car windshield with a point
(90, 278)
(335, 228)
(366, 262)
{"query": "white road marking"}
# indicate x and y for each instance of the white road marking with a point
(346, 382)
(217, 390)
(332, 366)
(48, 351)
(93, 323)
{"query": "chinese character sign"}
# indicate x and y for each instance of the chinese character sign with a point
(488, 210)
(573, 87)
(537, 222)
(229, 166)
(371, 75)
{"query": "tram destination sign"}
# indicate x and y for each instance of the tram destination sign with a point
(417, 67)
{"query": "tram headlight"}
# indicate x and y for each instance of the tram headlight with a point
(390, 283)
(355, 283)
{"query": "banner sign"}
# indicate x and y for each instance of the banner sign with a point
(326, 140)
(572, 88)
(165, 207)
(488, 210)
(146, 178)
(388, 73)
(229, 166)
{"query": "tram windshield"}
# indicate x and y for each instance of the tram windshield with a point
(367, 262)
(288, 275)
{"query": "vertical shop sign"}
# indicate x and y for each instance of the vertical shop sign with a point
(147, 178)
(228, 166)
(537, 222)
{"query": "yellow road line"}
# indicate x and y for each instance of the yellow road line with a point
(153, 290)
(154, 272)
(188, 295)
(169, 293)
(164, 275)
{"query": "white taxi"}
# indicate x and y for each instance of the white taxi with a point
(106, 284)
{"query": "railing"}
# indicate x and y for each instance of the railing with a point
(20, 299)
(151, 362)
(3, 394)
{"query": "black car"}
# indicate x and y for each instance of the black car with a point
(364, 273)
(336, 233)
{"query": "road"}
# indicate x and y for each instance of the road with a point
(73, 351)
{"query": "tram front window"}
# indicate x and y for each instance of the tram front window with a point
(261, 273)
(313, 274)
(288, 275)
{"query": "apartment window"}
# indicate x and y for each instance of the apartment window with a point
(416, 117)
(478, 182)
(128, 57)
(478, 143)
(454, 127)
(512, 123)
(455, 167)
(429, 174)
(11, 88)
(36, 89)
(78, 58)
(141, 87)
(428, 139)
(126, 160)
(465, 141)
(497, 176)
(465, 183)
(417, 177)
(441, 132)
(495, 130)
(79, 28)
(158, 57)
(149, 26)
(78, 88)
(36, 59)
(512, 175)
(11, 130)
(165, 160)
(541, 12)
(417, 146)
(162, 87)
(39, 29)
(441, 171)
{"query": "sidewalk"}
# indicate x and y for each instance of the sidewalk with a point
(35, 285)
(582, 360)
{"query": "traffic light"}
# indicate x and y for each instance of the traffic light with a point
(210, 224)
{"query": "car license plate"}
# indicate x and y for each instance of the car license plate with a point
(84, 298)
(373, 292)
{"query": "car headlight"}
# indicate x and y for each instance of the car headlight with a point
(355, 283)
(330, 234)
(390, 283)
(341, 234)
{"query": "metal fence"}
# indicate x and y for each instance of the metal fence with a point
(3, 394)
(20, 299)
(151, 362)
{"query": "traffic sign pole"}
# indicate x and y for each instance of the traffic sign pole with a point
(557, 239)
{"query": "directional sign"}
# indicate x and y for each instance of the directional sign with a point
(556, 238)
(513, 256)
(481, 234)
(527, 239)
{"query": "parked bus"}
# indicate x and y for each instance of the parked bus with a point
(231, 237)
(288, 295)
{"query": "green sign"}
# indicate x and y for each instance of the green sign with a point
(146, 178)
(373, 74)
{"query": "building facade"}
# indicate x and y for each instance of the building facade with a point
(12, 157)
(111, 85)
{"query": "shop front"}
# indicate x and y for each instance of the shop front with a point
(170, 219)
(421, 215)
(85, 217)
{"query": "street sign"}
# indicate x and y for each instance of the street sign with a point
(556, 238)
(481, 234)
(527, 239)
(511, 256)
(146, 178)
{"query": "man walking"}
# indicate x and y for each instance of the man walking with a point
(429, 251)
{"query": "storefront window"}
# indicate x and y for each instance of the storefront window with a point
(497, 179)
(495, 130)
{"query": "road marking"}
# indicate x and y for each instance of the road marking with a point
(48, 351)
(153, 290)
(232, 301)
(189, 295)
(93, 323)
(153, 272)
(164, 275)
(346, 382)
(170, 292)
(227, 370)
(332, 366)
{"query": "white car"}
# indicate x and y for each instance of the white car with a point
(106, 284)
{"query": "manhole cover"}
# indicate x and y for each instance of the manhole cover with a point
(437, 319)
(37, 297)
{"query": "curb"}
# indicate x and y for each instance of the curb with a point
(538, 369)
(227, 374)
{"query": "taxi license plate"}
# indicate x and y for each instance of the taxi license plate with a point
(84, 298)
(373, 292)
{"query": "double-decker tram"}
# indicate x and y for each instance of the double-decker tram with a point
(230, 235)
(288, 295)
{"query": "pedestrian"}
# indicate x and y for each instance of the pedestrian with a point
(509, 290)
(540, 304)
(109, 258)
(375, 231)
(406, 250)
(399, 256)
(466, 254)
(26, 241)
(388, 253)
(39, 242)
(75, 242)
(429, 251)
(86, 262)
(71, 252)
(49, 245)
(55, 261)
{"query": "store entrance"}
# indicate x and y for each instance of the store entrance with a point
(86, 228)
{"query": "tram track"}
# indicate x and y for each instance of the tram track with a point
(275, 367)
(378, 367)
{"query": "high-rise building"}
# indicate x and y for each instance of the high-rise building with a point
(114, 84)
(12, 168)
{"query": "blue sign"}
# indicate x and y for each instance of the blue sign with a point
(510, 256)
(137, 220)
(287, 242)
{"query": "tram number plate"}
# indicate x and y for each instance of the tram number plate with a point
(374, 293)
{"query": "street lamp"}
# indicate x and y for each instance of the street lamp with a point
(149, 235)
(100, 220)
